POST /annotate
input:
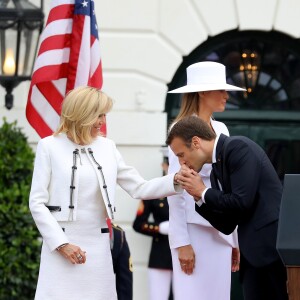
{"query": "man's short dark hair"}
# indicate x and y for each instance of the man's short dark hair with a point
(189, 127)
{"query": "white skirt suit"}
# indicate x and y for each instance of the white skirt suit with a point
(211, 278)
(70, 182)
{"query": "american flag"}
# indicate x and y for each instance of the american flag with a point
(69, 56)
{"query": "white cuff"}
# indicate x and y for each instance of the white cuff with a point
(201, 200)
(164, 228)
(203, 195)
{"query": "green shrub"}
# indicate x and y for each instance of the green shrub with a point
(19, 238)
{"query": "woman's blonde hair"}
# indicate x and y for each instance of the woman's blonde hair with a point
(190, 104)
(80, 110)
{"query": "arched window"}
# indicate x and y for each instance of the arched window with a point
(267, 64)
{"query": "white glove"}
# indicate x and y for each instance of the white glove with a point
(164, 228)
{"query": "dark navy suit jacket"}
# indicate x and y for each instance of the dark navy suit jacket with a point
(250, 198)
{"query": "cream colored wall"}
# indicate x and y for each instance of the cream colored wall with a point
(142, 44)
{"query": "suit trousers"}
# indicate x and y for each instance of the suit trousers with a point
(264, 283)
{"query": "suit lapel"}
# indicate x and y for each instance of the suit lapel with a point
(217, 166)
(219, 147)
(213, 178)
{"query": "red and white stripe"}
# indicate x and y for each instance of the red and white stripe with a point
(69, 56)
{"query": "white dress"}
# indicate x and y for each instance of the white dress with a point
(94, 280)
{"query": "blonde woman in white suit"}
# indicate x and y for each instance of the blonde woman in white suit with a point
(203, 258)
(72, 194)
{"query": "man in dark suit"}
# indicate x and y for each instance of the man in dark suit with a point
(246, 191)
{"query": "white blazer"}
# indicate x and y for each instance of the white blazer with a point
(182, 207)
(52, 179)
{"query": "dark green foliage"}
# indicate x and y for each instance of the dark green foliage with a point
(19, 238)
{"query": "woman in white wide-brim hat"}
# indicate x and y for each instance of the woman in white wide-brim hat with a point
(203, 258)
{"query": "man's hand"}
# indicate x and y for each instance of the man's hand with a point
(191, 181)
(186, 256)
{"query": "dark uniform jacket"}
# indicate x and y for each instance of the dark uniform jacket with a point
(160, 255)
(122, 263)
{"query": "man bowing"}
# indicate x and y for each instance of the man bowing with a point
(246, 191)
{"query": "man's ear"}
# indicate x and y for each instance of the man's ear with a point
(196, 142)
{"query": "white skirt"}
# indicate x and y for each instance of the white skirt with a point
(94, 280)
(211, 278)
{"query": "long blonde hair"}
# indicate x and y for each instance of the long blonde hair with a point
(80, 110)
(190, 104)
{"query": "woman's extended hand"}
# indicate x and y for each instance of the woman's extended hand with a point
(73, 253)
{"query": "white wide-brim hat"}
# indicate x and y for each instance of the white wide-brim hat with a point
(206, 76)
